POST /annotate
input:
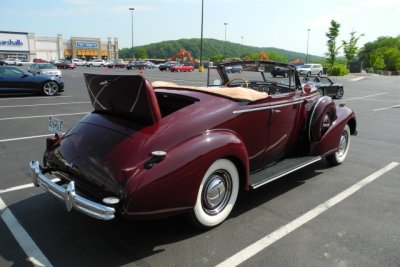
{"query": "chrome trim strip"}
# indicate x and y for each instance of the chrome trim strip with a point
(267, 107)
(69, 196)
(287, 172)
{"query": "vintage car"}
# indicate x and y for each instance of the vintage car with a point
(326, 86)
(152, 150)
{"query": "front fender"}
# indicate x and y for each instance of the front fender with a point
(329, 142)
(325, 105)
(171, 186)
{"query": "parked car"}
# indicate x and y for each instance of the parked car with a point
(160, 149)
(138, 64)
(116, 64)
(279, 71)
(167, 65)
(40, 60)
(65, 64)
(326, 86)
(14, 80)
(25, 63)
(183, 68)
(45, 68)
(79, 62)
(12, 61)
(96, 63)
(233, 69)
(311, 69)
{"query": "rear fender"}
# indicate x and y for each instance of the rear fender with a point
(329, 142)
(171, 186)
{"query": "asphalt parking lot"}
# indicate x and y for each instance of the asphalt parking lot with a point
(319, 216)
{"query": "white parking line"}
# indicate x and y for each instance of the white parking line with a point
(24, 138)
(43, 116)
(268, 240)
(48, 104)
(379, 109)
(24, 186)
(361, 97)
(35, 255)
(33, 97)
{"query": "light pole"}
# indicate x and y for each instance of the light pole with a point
(241, 48)
(308, 38)
(225, 39)
(201, 38)
(131, 9)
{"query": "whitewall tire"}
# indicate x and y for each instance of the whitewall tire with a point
(217, 194)
(339, 156)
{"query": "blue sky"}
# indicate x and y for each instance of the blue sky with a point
(281, 24)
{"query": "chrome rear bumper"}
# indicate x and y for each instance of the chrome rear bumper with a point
(69, 196)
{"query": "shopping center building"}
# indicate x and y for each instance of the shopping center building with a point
(24, 45)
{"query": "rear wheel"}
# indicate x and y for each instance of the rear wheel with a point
(339, 156)
(217, 194)
(339, 93)
(50, 88)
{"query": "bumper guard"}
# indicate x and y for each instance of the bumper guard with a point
(69, 196)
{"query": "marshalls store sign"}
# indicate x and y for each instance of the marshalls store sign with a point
(13, 41)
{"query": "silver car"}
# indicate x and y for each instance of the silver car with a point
(45, 68)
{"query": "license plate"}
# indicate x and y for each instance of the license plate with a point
(56, 126)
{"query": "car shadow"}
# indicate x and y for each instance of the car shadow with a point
(122, 241)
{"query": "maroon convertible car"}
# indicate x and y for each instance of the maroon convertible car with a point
(151, 150)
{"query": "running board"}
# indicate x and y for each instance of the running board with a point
(279, 170)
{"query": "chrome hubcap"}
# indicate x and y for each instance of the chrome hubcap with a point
(50, 88)
(216, 192)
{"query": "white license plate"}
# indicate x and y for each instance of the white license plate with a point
(56, 126)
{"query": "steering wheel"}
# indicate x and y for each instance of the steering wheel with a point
(245, 83)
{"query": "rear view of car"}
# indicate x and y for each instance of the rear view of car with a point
(45, 68)
(311, 69)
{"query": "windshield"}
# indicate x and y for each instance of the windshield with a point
(306, 66)
(260, 76)
(46, 66)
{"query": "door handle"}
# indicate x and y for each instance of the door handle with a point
(275, 111)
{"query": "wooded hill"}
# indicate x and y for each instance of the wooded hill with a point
(212, 50)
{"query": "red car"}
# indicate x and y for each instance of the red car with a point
(65, 65)
(183, 68)
(152, 150)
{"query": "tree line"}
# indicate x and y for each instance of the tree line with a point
(382, 54)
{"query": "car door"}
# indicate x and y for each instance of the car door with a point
(14, 80)
(283, 127)
(326, 83)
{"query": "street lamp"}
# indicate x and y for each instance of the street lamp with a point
(241, 48)
(131, 9)
(308, 38)
(225, 39)
(201, 38)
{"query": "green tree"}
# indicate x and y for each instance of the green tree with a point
(333, 50)
(350, 48)
(377, 61)
(142, 53)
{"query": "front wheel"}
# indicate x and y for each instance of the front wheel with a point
(339, 156)
(50, 88)
(217, 194)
